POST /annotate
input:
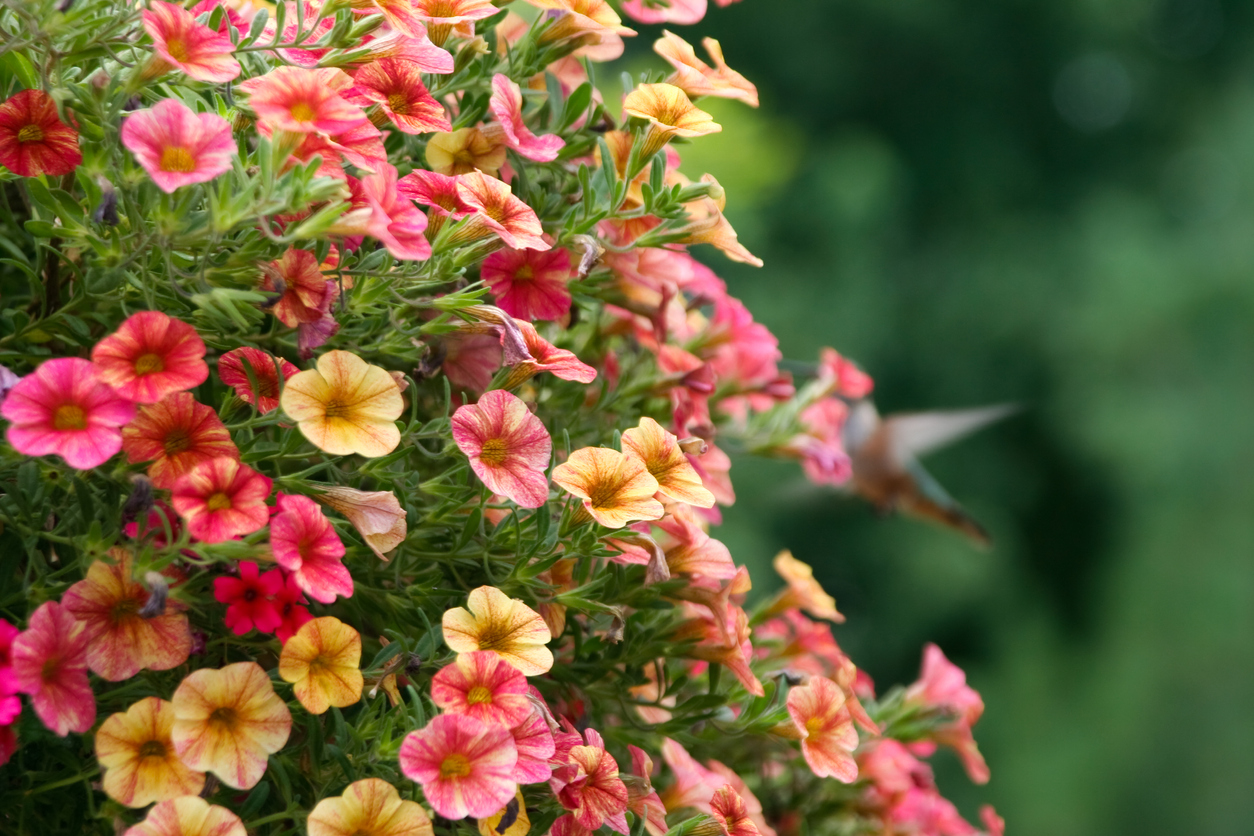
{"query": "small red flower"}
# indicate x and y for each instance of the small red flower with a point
(176, 435)
(293, 614)
(221, 499)
(529, 284)
(150, 356)
(268, 375)
(250, 599)
(33, 139)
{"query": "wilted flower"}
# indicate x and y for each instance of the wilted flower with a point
(482, 685)
(228, 721)
(49, 662)
(305, 544)
(546, 357)
(136, 751)
(395, 84)
(345, 406)
(370, 807)
(506, 105)
(828, 737)
(176, 434)
(529, 284)
(508, 447)
(33, 139)
(192, 47)
(377, 515)
(615, 488)
(506, 626)
(465, 766)
(322, 661)
(306, 294)
(659, 450)
(178, 147)
(268, 374)
(222, 498)
(188, 815)
(250, 599)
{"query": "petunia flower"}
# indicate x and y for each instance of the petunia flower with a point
(120, 641)
(690, 550)
(942, 686)
(828, 737)
(615, 488)
(398, 44)
(377, 515)
(482, 685)
(534, 740)
(546, 357)
(394, 220)
(293, 614)
(669, 113)
(268, 374)
(221, 499)
(470, 360)
(178, 147)
(728, 809)
(306, 292)
(136, 751)
(323, 663)
(438, 192)
(176, 434)
(694, 785)
(506, 626)
(33, 139)
(304, 543)
(589, 786)
(529, 284)
(684, 12)
(64, 407)
(180, 41)
(707, 225)
(497, 211)
(510, 820)
(659, 450)
(250, 599)
(752, 806)
(149, 356)
(802, 591)
(316, 27)
(440, 16)
(506, 105)
(188, 815)
(697, 78)
(843, 376)
(301, 100)
(463, 151)
(49, 662)
(345, 406)
(465, 766)
(507, 445)
(395, 84)
(595, 19)
(369, 807)
(642, 799)
(228, 721)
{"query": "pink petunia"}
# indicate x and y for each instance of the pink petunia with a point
(506, 105)
(395, 85)
(684, 12)
(192, 47)
(221, 499)
(178, 147)
(535, 743)
(306, 545)
(436, 191)
(942, 686)
(508, 447)
(589, 786)
(50, 664)
(546, 357)
(151, 355)
(301, 100)
(828, 737)
(250, 599)
(394, 220)
(529, 284)
(465, 766)
(63, 407)
(484, 686)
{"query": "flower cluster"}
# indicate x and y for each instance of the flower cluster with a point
(366, 421)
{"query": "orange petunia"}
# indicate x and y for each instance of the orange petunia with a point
(463, 151)
(669, 113)
(176, 434)
(228, 721)
(188, 815)
(580, 18)
(345, 406)
(615, 488)
(136, 751)
(659, 450)
(803, 591)
(120, 640)
(707, 225)
(370, 807)
(828, 737)
(697, 78)
(496, 210)
(506, 626)
(322, 661)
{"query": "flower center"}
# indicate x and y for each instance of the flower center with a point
(219, 502)
(176, 442)
(335, 409)
(303, 112)
(455, 765)
(398, 103)
(814, 725)
(152, 749)
(493, 451)
(30, 133)
(51, 670)
(524, 273)
(478, 695)
(177, 158)
(177, 49)
(69, 416)
(224, 717)
(149, 363)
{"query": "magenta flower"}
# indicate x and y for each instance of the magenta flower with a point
(506, 105)
(151, 355)
(221, 499)
(394, 220)
(484, 686)
(178, 147)
(250, 599)
(306, 545)
(508, 447)
(529, 284)
(50, 664)
(192, 47)
(465, 767)
(63, 407)
(535, 743)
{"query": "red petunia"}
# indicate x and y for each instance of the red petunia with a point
(529, 284)
(250, 599)
(221, 499)
(395, 84)
(33, 139)
(293, 614)
(268, 374)
(150, 356)
(176, 435)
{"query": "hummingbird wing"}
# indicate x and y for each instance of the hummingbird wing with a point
(930, 501)
(915, 434)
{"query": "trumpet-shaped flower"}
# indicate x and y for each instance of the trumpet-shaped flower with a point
(508, 447)
(843, 375)
(300, 100)
(228, 721)
(267, 376)
(394, 220)
(497, 211)
(306, 293)
(136, 751)
(589, 786)
(188, 815)
(293, 614)
(506, 105)
(828, 737)
(192, 47)
(690, 550)
(33, 139)
(546, 357)
(178, 147)
(669, 113)
(49, 662)
(482, 685)
(345, 406)
(803, 591)
(377, 516)
(222, 498)
(397, 44)
(120, 640)
(529, 284)
(506, 626)
(580, 18)
(434, 190)
(706, 225)
(642, 799)
(615, 488)
(151, 355)
(250, 599)
(64, 407)
(659, 450)
(465, 766)
(176, 434)
(305, 544)
(463, 151)
(441, 16)
(728, 809)
(534, 740)
(697, 78)
(942, 685)
(395, 84)
(323, 663)
(370, 807)
(694, 785)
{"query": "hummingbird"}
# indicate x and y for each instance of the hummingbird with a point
(885, 451)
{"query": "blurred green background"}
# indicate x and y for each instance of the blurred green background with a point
(1049, 202)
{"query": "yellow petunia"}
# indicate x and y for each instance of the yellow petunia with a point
(322, 662)
(345, 405)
